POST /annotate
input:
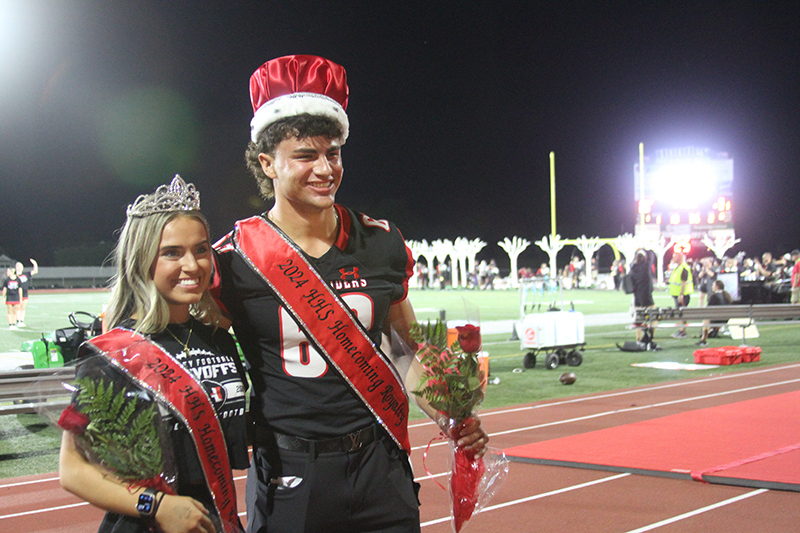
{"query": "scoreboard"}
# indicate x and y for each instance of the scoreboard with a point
(685, 193)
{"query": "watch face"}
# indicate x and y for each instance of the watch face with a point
(145, 504)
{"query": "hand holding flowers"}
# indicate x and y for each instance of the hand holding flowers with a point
(452, 384)
(118, 429)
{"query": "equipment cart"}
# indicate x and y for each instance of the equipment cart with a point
(556, 333)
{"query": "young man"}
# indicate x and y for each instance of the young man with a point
(719, 296)
(767, 268)
(312, 287)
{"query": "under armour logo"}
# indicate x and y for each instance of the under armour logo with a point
(346, 273)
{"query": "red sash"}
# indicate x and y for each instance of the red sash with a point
(154, 369)
(327, 322)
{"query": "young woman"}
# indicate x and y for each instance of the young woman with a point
(24, 279)
(163, 343)
(12, 296)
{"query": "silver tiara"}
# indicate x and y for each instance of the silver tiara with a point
(177, 196)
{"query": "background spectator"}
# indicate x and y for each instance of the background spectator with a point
(719, 296)
(796, 277)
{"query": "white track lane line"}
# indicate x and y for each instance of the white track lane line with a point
(37, 511)
(535, 497)
(696, 512)
(61, 507)
(22, 483)
(430, 476)
(626, 410)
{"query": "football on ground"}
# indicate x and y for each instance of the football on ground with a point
(568, 378)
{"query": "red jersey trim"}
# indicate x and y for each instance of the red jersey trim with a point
(409, 270)
(344, 228)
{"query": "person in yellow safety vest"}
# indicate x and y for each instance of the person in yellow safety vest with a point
(681, 286)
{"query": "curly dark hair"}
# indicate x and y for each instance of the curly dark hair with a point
(299, 126)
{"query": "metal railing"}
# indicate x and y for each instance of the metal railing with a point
(27, 391)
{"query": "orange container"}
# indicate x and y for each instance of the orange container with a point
(452, 336)
(483, 361)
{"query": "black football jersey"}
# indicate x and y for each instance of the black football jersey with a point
(295, 391)
(12, 287)
(23, 282)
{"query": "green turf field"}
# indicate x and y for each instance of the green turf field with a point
(29, 446)
(47, 312)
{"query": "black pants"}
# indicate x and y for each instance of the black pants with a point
(368, 490)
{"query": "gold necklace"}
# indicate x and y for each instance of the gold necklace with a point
(184, 344)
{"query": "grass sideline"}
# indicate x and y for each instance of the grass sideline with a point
(29, 445)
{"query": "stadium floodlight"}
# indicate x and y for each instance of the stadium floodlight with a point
(684, 193)
(684, 184)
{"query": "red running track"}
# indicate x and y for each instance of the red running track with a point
(538, 498)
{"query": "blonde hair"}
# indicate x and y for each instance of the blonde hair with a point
(133, 291)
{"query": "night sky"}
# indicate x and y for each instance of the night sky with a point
(454, 108)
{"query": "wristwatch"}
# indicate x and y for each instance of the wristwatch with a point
(146, 506)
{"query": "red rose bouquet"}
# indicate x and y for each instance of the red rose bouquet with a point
(452, 384)
(118, 426)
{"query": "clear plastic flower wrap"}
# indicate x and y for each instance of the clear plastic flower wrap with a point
(473, 482)
(452, 383)
(118, 425)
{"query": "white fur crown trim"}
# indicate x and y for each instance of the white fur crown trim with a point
(295, 104)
